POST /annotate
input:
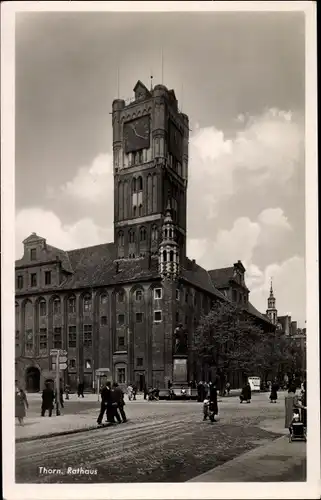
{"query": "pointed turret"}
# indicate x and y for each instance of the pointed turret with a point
(168, 248)
(271, 311)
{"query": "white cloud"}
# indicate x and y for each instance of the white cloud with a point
(46, 224)
(274, 217)
(289, 288)
(93, 184)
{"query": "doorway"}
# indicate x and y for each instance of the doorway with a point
(141, 382)
(33, 379)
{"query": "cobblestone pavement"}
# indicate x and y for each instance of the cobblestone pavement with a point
(162, 442)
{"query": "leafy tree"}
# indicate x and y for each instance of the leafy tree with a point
(229, 339)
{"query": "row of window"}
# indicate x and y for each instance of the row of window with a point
(87, 302)
(142, 236)
(33, 282)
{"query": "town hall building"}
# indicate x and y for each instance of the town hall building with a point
(122, 306)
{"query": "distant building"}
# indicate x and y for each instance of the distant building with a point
(116, 306)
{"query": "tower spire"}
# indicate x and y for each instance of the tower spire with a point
(271, 311)
(168, 256)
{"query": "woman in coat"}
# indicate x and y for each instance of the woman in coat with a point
(274, 392)
(21, 403)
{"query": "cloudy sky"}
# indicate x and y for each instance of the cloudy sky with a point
(239, 77)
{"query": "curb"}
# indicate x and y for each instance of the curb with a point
(61, 433)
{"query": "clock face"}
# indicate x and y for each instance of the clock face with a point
(137, 134)
(175, 141)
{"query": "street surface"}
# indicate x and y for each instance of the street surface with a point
(163, 441)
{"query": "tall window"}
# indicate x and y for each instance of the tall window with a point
(154, 233)
(103, 320)
(139, 184)
(72, 305)
(87, 303)
(88, 335)
(56, 306)
(33, 279)
(42, 308)
(131, 236)
(121, 375)
(72, 363)
(103, 299)
(158, 293)
(47, 277)
(121, 342)
(121, 240)
(33, 254)
(143, 234)
(20, 282)
(43, 339)
(57, 338)
(72, 336)
(29, 340)
(139, 295)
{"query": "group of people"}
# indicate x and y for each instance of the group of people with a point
(112, 404)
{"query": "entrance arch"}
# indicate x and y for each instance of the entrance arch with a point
(32, 379)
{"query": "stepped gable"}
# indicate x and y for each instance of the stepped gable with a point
(47, 253)
(198, 276)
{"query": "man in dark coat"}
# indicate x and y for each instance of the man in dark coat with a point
(246, 393)
(48, 398)
(106, 403)
(80, 389)
(118, 399)
(134, 392)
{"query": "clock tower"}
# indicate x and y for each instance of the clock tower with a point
(150, 160)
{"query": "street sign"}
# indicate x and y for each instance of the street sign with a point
(54, 352)
(62, 366)
(62, 359)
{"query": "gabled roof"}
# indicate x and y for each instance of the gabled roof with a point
(252, 310)
(198, 276)
(48, 253)
(221, 277)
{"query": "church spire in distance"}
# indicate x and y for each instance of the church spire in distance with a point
(271, 311)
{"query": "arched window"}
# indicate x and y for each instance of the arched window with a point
(87, 303)
(134, 185)
(139, 184)
(42, 308)
(139, 295)
(72, 305)
(154, 233)
(121, 296)
(103, 299)
(57, 306)
(165, 233)
(171, 256)
(121, 239)
(164, 255)
(143, 234)
(134, 211)
(131, 236)
(140, 210)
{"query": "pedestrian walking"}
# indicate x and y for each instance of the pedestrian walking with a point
(48, 397)
(67, 390)
(130, 392)
(228, 388)
(145, 391)
(134, 392)
(80, 390)
(246, 394)
(118, 398)
(106, 404)
(213, 402)
(274, 391)
(21, 403)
